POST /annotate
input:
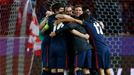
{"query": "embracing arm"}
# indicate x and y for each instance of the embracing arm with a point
(42, 24)
(73, 31)
(67, 18)
(77, 33)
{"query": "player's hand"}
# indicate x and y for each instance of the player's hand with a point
(28, 49)
(58, 21)
(52, 34)
(48, 13)
(88, 41)
(86, 36)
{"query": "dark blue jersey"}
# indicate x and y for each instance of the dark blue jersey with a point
(57, 42)
(97, 34)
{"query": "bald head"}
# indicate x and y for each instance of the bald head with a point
(69, 10)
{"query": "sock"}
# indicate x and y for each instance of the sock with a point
(71, 72)
(46, 73)
(94, 73)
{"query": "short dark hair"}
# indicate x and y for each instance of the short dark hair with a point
(76, 6)
(85, 7)
(56, 6)
(69, 6)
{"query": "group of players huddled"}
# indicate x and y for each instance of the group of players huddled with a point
(73, 42)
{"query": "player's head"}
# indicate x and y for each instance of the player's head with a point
(78, 10)
(58, 8)
(86, 10)
(69, 10)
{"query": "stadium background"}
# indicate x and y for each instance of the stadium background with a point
(117, 15)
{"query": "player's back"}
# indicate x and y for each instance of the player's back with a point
(96, 33)
(79, 44)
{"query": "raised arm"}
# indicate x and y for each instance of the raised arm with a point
(42, 26)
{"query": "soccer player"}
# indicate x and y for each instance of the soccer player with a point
(85, 55)
(58, 47)
(45, 30)
(103, 51)
(69, 11)
(44, 36)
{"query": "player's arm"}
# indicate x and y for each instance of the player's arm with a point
(77, 33)
(43, 25)
(68, 28)
(67, 18)
(45, 28)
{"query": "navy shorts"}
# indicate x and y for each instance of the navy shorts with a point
(58, 54)
(104, 58)
(83, 59)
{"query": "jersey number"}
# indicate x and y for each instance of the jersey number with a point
(98, 28)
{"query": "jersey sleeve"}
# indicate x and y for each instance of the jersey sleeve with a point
(87, 24)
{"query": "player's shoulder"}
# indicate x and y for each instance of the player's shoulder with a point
(52, 16)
